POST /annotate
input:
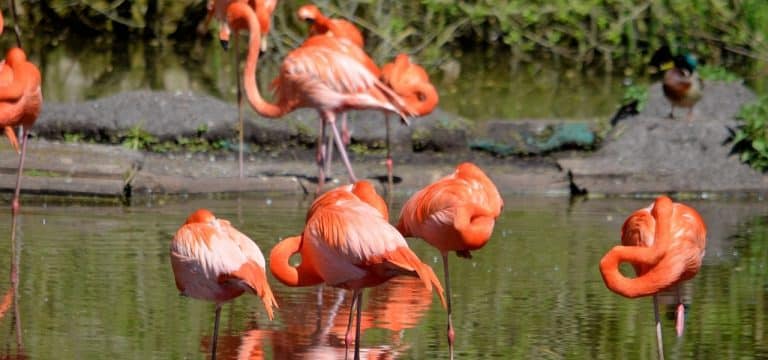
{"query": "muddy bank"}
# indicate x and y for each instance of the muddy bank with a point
(647, 153)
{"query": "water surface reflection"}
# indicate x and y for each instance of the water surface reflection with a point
(95, 282)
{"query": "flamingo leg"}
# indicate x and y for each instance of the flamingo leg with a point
(319, 156)
(17, 193)
(359, 302)
(390, 177)
(659, 342)
(451, 334)
(241, 129)
(348, 334)
(330, 118)
(345, 130)
(215, 332)
(329, 154)
(679, 314)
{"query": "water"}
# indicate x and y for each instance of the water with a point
(75, 71)
(96, 283)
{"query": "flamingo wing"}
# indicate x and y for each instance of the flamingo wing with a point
(346, 236)
(332, 80)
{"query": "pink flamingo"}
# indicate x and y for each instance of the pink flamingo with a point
(213, 261)
(313, 77)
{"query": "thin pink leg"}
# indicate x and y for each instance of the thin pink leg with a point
(319, 155)
(17, 193)
(390, 175)
(348, 335)
(345, 130)
(330, 118)
(451, 334)
(359, 302)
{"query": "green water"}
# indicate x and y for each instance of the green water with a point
(96, 283)
(487, 87)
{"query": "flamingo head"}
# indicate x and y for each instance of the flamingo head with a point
(308, 13)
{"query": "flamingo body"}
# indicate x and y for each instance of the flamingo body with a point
(456, 213)
(663, 251)
(213, 261)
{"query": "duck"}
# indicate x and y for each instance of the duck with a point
(681, 83)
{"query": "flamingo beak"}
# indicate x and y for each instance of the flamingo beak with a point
(405, 121)
(224, 44)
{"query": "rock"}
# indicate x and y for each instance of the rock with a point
(651, 153)
(534, 137)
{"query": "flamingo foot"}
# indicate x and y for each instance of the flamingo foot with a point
(680, 319)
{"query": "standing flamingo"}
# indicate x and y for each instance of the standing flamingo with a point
(411, 82)
(456, 213)
(347, 243)
(213, 261)
(20, 103)
(313, 77)
(218, 8)
(340, 29)
(665, 244)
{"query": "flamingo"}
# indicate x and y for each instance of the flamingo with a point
(319, 24)
(340, 29)
(665, 243)
(20, 101)
(218, 8)
(347, 243)
(456, 213)
(313, 77)
(213, 261)
(411, 82)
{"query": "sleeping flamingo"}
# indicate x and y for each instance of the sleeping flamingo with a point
(213, 261)
(313, 77)
(665, 244)
(456, 213)
(347, 243)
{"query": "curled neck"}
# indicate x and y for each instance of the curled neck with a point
(302, 275)
(239, 17)
(663, 268)
(663, 272)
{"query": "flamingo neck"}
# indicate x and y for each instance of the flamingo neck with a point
(239, 17)
(662, 273)
(302, 275)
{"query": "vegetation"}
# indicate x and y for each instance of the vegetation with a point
(750, 140)
(583, 31)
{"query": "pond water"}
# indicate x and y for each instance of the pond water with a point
(96, 283)
(74, 70)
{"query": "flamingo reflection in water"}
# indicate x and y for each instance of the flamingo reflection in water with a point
(395, 306)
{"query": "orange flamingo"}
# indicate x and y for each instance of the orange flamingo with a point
(313, 77)
(319, 24)
(213, 261)
(347, 243)
(339, 29)
(456, 213)
(411, 82)
(665, 244)
(263, 10)
(20, 101)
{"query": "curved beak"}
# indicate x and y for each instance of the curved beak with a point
(224, 44)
